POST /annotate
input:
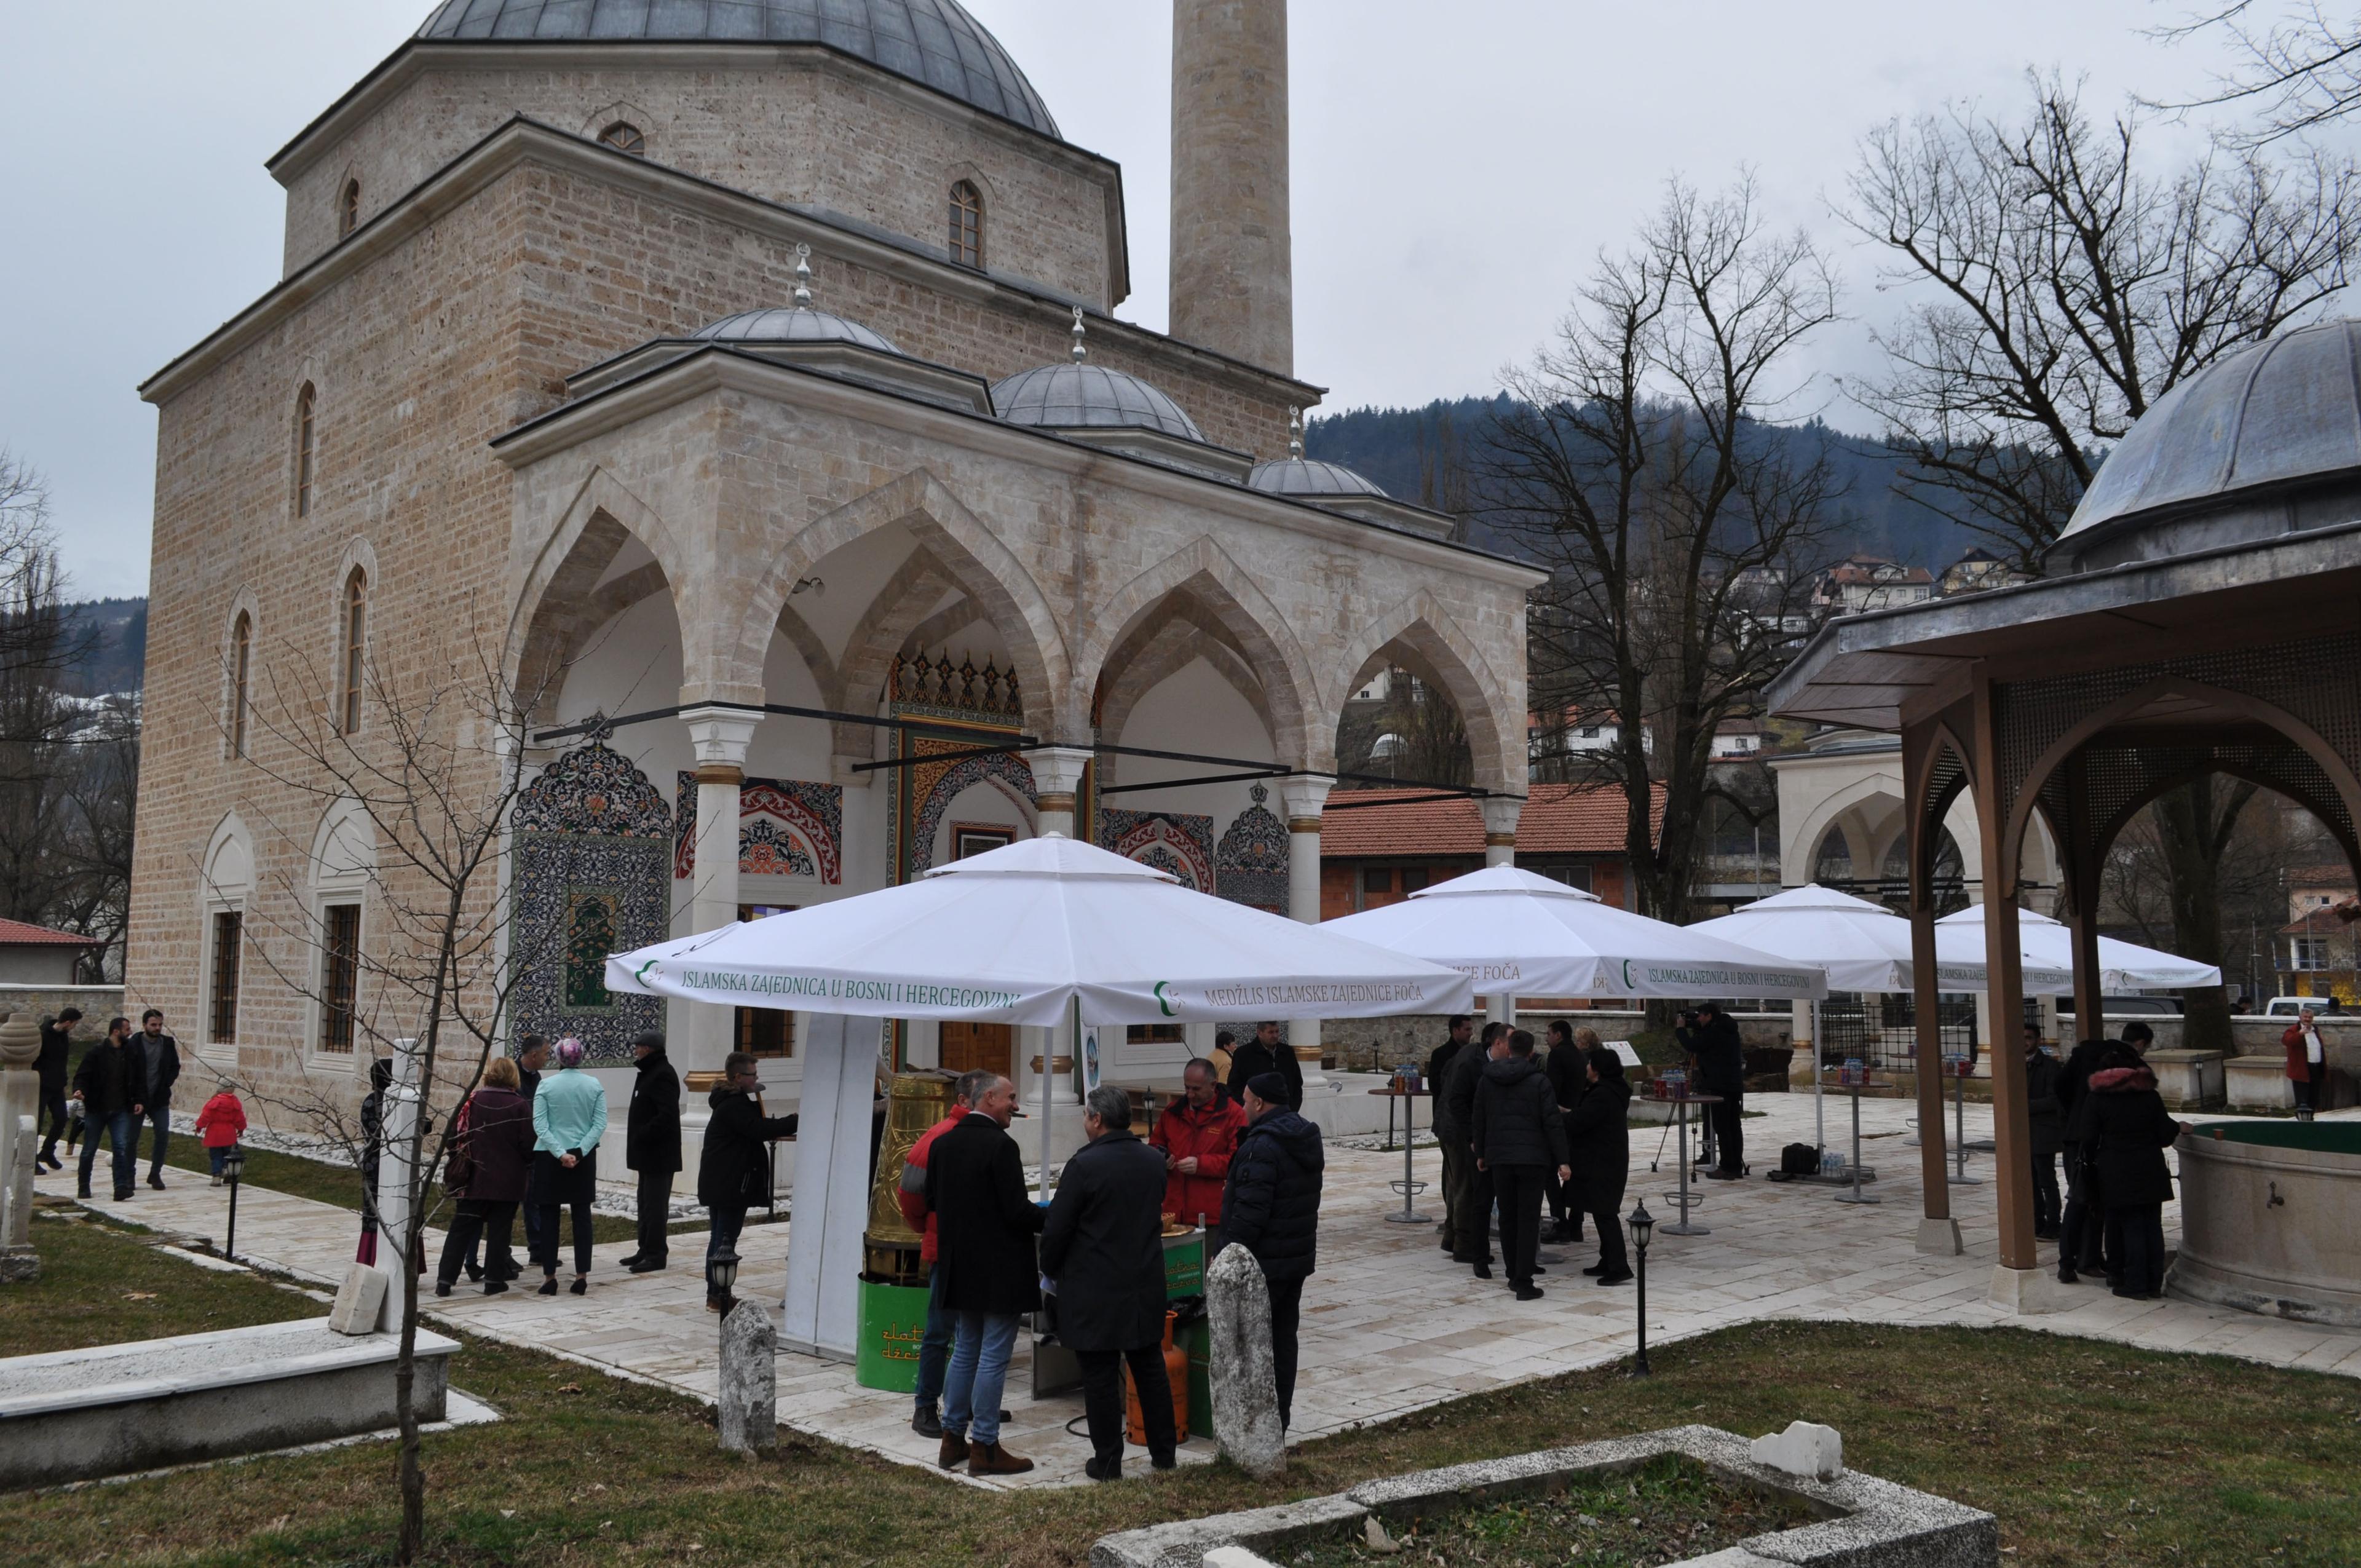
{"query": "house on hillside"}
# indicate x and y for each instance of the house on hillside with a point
(2315, 947)
(1860, 583)
(1977, 572)
(1379, 846)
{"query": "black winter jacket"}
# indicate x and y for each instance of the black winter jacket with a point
(1248, 1060)
(2074, 1081)
(1103, 1243)
(1720, 1055)
(651, 1133)
(107, 1081)
(1600, 1133)
(1438, 1066)
(984, 1219)
(57, 1044)
(1569, 1066)
(1271, 1204)
(2045, 1116)
(159, 1058)
(1516, 1120)
(2125, 1116)
(735, 1168)
(500, 1145)
(1456, 1109)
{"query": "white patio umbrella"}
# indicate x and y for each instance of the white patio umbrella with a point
(1863, 946)
(1510, 931)
(1033, 934)
(2049, 946)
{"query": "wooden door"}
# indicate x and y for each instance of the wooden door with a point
(968, 1048)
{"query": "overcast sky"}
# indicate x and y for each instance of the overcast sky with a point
(1457, 168)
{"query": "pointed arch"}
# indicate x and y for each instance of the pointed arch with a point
(1418, 633)
(1176, 641)
(1235, 604)
(980, 564)
(903, 604)
(562, 603)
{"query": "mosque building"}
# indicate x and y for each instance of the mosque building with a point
(739, 378)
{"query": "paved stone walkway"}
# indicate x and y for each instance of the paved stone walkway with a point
(1389, 1324)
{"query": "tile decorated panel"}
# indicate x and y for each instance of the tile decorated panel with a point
(785, 827)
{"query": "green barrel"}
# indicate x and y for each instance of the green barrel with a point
(893, 1325)
(1184, 1265)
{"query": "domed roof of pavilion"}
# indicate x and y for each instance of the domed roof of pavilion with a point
(1309, 476)
(933, 42)
(2242, 450)
(1082, 396)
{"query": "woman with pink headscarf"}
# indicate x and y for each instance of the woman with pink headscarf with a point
(569, 1117)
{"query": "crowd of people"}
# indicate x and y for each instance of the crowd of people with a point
(123, 1086)
(1232, 1155)
(1517, 1131)
(2101, 1110)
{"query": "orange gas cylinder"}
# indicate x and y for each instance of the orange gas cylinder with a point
(1176, 1373)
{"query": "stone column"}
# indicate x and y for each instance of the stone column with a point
(20, 1045)
(398, 1116)
(720, 737)
(1305, 798)
(1057, 779)
(1500, 814)
(1233, 257)
(19, 1263)
(750, 1380)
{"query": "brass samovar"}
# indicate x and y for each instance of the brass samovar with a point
(915, 1101)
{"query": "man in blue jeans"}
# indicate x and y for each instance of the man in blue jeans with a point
(935, 1349)
(108, 1085)
(985, 1225)
(158, 1058)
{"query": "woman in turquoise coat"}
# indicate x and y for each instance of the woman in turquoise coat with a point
(569, 1117)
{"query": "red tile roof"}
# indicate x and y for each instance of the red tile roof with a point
(17, 934)
(1558, 819)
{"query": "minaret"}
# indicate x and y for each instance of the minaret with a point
(1232, 250)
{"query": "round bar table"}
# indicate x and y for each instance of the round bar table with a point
(1408, 1186)
(1681, 1199)
(1855, 1195)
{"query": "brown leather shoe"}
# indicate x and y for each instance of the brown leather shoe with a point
(991, 1459)
(954, 1451)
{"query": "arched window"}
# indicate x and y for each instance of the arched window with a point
(624, 137)
(241, 670)
(348, 208)
(348, 702)
(967, 225)
(304, 402)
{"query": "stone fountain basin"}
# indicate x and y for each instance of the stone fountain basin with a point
(2269, 1214)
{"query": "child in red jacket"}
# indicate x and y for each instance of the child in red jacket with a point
(219, 1125)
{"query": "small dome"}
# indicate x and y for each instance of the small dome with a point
(2282, 415)
(794, 324)
(1309, 476)
(933, 42)
(1087, 395)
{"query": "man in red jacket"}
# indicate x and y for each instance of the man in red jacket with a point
(1197, 1137)
(935, 1350)
(2307, 1062)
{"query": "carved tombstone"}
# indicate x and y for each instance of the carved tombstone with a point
(17, 1259)
(20, 1045)
(1244, 1378)
(749, 1379)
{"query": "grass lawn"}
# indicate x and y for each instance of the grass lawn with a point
(100, 1284)
(2090, 1454)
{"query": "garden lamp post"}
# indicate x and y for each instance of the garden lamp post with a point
(233, 1166)
(1644, 1225)
(722, 1275)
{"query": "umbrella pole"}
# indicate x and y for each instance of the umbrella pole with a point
(1048, 1070)
(1819, 1126)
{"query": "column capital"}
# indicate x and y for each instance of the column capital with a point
(719, 736)
(1056, 775)
(1500, 814)
(1305, 797)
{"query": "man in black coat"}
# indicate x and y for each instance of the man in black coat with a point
(1519, 1140)
(108, 1085)
(1565, 1062)
(985, 1226)
(734, 1171)
(1271, 1207)
(1717, 1065)
(652, 1147)
(57, 1044)
(1455, 1149)
(158, 1058)
(1267, 1053)
(1104, 1244)
(1471, 1206)
(1598, 1134)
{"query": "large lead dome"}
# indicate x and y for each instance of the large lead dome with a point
(930, 41)
(2265, 442)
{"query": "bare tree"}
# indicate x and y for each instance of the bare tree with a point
(2059, 289)
(1415, 732)
(432, 771)
(2295, 72)
(1635, 466)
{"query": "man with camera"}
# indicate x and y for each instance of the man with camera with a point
(1718, 1066)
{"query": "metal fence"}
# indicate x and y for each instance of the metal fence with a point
(1892, 1044)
